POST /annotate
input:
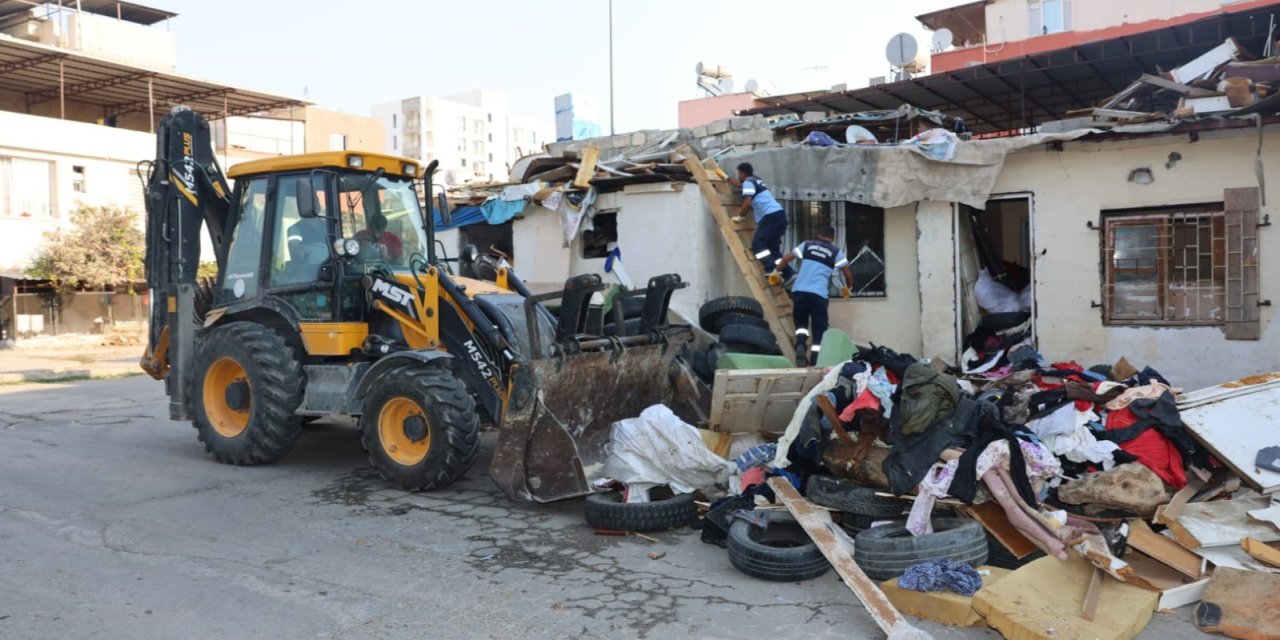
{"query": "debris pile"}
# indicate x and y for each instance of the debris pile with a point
(1044, 499)
(1221, 82)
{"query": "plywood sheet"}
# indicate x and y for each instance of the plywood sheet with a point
(1236, 419)
(1221, 523)
(753, 400)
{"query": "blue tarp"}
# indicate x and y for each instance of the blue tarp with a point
(495, 211)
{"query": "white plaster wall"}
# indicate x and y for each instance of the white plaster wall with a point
(935, 224)
(1073, 186)
(894, 320)
(108, 156)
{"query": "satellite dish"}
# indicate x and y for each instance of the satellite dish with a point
(725, 85)
(901, 50)
(942, 39)
(752, 86)
(697, 68)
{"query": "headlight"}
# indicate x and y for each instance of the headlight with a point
(355, 161)
(410, 170)
(346, 247)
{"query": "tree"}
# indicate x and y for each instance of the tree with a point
(104, 247)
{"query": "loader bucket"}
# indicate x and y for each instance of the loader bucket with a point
(553, 440)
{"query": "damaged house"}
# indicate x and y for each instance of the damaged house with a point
(1076, 184)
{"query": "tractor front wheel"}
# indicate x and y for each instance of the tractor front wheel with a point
(420, 427)
(245, 390)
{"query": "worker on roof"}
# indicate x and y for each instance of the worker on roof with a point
(810, 293)
(771, 221)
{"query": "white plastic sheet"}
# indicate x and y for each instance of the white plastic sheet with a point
(997, 298)
(657, 448)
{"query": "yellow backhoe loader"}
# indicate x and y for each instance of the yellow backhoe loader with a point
(332, 299)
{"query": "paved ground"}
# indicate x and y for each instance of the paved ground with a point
(67, 357)
(113, 524)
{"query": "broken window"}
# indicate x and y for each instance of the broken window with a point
(1167, 267)
(599, 240)
(859, 231)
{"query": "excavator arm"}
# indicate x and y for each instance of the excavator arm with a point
(185, 190)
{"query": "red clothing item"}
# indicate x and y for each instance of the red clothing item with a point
(866, 400)
(395, 248)
(1152, 449)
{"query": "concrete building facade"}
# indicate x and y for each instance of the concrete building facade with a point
(474, 135)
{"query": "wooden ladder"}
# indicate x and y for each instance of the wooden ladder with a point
(724, 203)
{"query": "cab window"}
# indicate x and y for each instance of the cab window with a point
(244, 253)
(300, 246)
(381, 215)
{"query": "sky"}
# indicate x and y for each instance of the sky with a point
(351, 55)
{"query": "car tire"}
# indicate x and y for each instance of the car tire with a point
(887, 551)
(664, 510)
(740, 318)
(709, 313)
(850, 497)
(743, 338)
(781, 551)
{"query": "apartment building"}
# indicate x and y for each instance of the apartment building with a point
(993, 30)
(474, 135)
(301, 129)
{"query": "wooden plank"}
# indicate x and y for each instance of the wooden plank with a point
(1168, 552)
(1260, 551)
(993, 519)
(736, 237)
(1177, 87)
(1189, 593)
(1221, 523)
(829, 411)
(824, 533)
(753, 400)
(1090, 608)
(587, 168)
(1166, 513)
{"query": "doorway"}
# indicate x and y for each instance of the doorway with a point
(995, 264)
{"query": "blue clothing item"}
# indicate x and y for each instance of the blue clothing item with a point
(936, 575)
(761, 454)
(766, 243)
(818, 259)
(762, 202)
(883, 390)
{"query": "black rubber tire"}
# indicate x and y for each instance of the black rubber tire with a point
(851, 497)
(781, 552)
(856, 523)
(700, 361)
(663, 511)
(998, 556)
(744, 336)
(274, 374)
(452, 423)
(739, 318)
(709, 313)
(632, 307)
(887, 551)
(632, 326)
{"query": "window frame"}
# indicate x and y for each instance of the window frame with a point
(1165, 219)
(838, 212)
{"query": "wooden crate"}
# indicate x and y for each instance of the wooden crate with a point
(753, 400)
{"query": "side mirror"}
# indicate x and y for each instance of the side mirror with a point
(442, 203)
(308, 203)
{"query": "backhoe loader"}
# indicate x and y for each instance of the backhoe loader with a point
(333, 298)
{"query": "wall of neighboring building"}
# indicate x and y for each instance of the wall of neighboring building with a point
(1009, 20)
(700, 111)
(106, 157)
(359, 133)
(122, 41)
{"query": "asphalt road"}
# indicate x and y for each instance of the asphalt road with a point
(114, 524)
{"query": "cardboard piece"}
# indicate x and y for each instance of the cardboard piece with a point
(944, 607)
(1044, 598)
(1241, 604)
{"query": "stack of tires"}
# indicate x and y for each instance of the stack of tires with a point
(740, 327)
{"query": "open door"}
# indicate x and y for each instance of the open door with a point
(993, 247)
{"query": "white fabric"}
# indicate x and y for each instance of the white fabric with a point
(997, 298)
(827, 383)
(658, 448)
(1059, 423)
(1081, 446)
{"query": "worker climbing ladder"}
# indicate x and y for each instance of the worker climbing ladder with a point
(724, 202)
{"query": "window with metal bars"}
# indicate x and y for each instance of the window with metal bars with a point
(859, 231)
(1166, 267)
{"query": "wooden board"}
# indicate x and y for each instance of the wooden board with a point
(723, 203)
(753, 400)
(1168, 552)
(1261, 552)
(993, 519)
(587, 168)
(1234, 427)
(823, 532)
(1221, 523)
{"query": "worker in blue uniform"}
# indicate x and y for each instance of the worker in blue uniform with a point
(810, 292)
(771, 220)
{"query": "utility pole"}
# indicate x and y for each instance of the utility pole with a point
(611, 131)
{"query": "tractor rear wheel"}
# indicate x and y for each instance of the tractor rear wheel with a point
(420, 427)
(246, 387)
